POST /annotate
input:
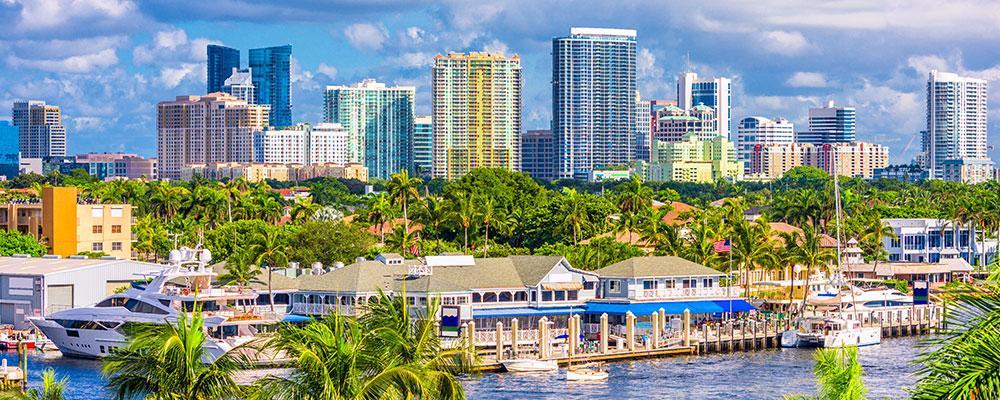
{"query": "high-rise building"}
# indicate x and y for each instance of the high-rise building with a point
(39, 129)
(856, 159)
(593, 100)
(324, 143)
(379, 124)
(106, 166)
(956, 127)
(205, 129)
(423, 145)
(221, 60)
(830, 124)
(759, 130)
(694, 159)
(476, 110)
(240, 85)
(643, 128)
(538, 154)
(271, 68)
(671, 123)
(9, 154)
(716, 93)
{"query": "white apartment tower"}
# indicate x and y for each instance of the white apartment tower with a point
(716, 93)
(955, 139)
(240, 84)
(379, 124)
(40, 130)
(324, 143)
(752, 131)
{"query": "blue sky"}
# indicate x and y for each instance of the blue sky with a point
(108, 62)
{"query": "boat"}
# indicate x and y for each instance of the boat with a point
(8, 342)
(231, 318)
(529, 365)
(586, 373)
(830, 332)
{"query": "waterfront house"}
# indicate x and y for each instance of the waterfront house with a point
(927, 240)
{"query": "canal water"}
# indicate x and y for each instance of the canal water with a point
(768, 374)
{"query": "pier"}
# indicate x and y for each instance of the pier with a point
(629, 342)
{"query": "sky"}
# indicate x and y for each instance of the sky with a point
(108, 62)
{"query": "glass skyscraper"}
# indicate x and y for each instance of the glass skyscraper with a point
(221, 61)
(8, 149)
(379, 124)
(272, 76)
(830, 124)
(716, 93)
(593, 100)
(423, 145)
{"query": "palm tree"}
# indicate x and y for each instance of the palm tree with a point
(577, 215)
(433, 215)
(379, 212)
(52, 389)
(487, 214)
(241, 268)
(402, 188)
(401, 240)
(463, 211)
(270, 251)
(809, 252)
(304, 209)
(169, 361)
(752, 247)
(388, 353)
(838, 375)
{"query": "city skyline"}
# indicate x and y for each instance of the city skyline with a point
(118, 60)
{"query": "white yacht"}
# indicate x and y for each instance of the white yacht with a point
(862, 300)
(830, 332)
(230, 317)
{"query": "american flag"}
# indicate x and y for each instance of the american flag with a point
(722, 246)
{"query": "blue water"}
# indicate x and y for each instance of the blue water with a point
(769, 374)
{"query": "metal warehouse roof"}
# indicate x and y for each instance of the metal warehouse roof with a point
(46, 266)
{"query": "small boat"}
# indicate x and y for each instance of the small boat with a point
(10, 342)
(529, 365)
(830, 332)
(586, 372)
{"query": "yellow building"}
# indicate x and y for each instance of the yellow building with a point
(256, 172)
(70, 227)
(694, 160)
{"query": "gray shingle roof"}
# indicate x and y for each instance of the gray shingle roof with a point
(656, 266)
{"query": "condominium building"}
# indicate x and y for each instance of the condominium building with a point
(768, 162)
(39, 129)
(106, 166)
(256, 172)
(476, 111)
(694, 159)
(857, 159)
(538, 154)
(830, 124)
(955, 138)
(301, 144)
(271, 69)
(715, 93)
(221, 60)
(206, 129)
(423, 145)
(240, 85)
(752, 131)
(643, 128)
(9, 152)
(593, 99)
(673, 123)
(379, 124)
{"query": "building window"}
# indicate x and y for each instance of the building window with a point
(707, 282)
(116, 246)
(97, 229)
(588, 285)
(97, 212)
(547, 295)
(97, 246)
(560, 295)
(489, 298)
(669, 283)
(534, 295)
(116, 229)
(572, 295)
(506, 297)
(614, 286)
(477, 298)
(894, 242)
(116, 212)
(649, 285)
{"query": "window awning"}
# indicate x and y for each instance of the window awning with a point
(526, 312)
(670, 307)
(562, 286)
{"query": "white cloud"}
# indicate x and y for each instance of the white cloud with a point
(413, 60)
(807, 80)
(171, 77)
(328, 70)
(496, 46)
(87, 123)
(74, 64)
(366, 36)
(784, 43)
(41, 15)
(172, 45)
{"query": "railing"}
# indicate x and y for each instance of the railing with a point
(321, 309)
(676, 293)
(524, 336)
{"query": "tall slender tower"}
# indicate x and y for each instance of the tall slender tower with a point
(716, 93)
(221, 62)
(271, 68)
(955, 140)
(476, 112)
(379, 124)
(40, 131)
(593, 100)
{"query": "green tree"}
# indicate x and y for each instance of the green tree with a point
(328, 243)
(240, 268)
(14, 242)
(809, 252)
(52, 389)
(304, 209)
(402, 188)
(380, 212)
(838, 375)
(169, 361)
(270, 251)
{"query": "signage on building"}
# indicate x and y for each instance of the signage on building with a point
(451, 320)
(919, 293)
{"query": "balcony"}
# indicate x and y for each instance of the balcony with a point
(683, 293)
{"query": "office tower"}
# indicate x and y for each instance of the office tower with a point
(9, 154)
(324, 143)
(829, 124)
(643, 128)
(593, 100)
(671, 123)
(715, 93)
(379, 124)
(752, 131)
(423, 145)
(39, 129)
(476, 110)
(955, 140)
(240, 85)
(271, 68)
(221, 60)
(205, 129)
(538, 152)
(694, 159)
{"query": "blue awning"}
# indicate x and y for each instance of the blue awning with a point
(526, 312)
(296, 319)
(670, 307)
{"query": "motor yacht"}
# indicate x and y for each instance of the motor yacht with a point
(231, 318)
(830, 332)
(529, 365)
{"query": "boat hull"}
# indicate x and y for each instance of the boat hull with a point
(859, 337)
(586, 375)
(529, 365)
